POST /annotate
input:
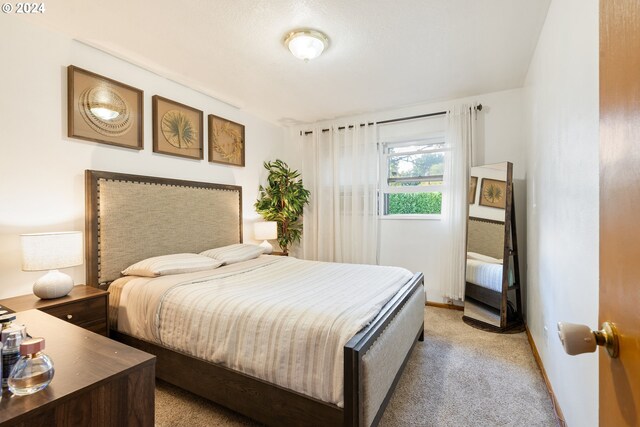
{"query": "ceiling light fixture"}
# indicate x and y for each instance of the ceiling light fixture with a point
(306, 44)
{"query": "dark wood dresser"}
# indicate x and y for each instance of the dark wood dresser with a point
(97, 381)
(84, 306)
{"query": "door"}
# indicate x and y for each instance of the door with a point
(620, 208)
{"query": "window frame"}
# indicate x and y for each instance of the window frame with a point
(386, 189)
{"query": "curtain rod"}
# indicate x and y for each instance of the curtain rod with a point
(340, 128)
(401, 119)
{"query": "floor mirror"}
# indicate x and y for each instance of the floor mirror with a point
(493, 299)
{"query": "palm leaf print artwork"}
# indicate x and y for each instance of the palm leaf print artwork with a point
(493, 193)
(178, 130)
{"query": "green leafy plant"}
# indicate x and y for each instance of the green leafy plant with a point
(414, 203)
(283, 200)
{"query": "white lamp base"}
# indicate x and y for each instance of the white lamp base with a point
(267, 247)
(54, 284)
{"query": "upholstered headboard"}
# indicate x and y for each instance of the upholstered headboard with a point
(486, 237)
(129, 218)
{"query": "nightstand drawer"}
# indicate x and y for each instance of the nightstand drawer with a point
(99, 327)
(84, 306)
(81, 312)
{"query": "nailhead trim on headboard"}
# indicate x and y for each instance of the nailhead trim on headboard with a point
(172, 216)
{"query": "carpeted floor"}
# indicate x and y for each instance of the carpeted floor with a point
(459, 376)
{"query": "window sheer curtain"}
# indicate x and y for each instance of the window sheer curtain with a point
(340, 169)
(459, 134)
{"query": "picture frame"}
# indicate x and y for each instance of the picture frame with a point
(493, 193)
(177, 129)
(226, 141)
(473, 185)
(103, 110)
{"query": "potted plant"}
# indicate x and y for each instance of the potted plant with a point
(282, 200)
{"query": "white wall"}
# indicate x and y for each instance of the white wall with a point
(416, 244)
(41, 181)
(561, 109)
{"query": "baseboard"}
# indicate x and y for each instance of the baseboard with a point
(442, 305)
(554, 401)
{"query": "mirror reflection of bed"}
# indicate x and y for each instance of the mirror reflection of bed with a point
(492, 291)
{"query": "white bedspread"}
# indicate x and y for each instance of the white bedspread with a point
(280, 319)
(487, 275)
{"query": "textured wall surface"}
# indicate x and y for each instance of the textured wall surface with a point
(561, 101)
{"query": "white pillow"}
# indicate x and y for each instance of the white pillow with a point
(171, 264)
(483, 258)
(234, 253)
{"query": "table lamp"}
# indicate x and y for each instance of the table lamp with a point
(50, 251)
(265, 231)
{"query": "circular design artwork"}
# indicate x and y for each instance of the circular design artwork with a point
(493, 193)
(178, 130)
(107, 99)
(227, 142)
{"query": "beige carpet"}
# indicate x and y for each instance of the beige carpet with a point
(459, 376)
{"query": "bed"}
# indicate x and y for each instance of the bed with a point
(485, 270)
(129, 218)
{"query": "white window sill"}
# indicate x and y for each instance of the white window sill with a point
(430, 217)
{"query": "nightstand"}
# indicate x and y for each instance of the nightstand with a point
(278, 253)
(85, 306)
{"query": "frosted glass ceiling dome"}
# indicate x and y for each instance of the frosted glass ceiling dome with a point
(306, 44)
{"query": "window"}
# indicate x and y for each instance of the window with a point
(412, 177)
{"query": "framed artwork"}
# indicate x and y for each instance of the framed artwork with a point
(493, 193)
(177, 129)
(103, 110)
(226, 141)
(473, 185)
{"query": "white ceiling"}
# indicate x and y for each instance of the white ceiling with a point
(383, 54)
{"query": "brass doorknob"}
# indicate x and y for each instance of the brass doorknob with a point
(578, 339)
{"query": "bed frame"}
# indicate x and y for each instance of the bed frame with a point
(486, 236)
(131, 217)
(497, 239)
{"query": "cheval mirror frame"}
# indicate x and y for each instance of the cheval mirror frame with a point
(499, 301)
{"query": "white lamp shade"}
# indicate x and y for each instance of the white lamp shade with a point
(49, 251)
(265, 230)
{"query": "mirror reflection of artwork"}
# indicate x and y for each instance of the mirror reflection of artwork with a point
(493, 193)
(473, 184)
(103, 110)
(226, 141)
(177, 129)
(492, 286)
